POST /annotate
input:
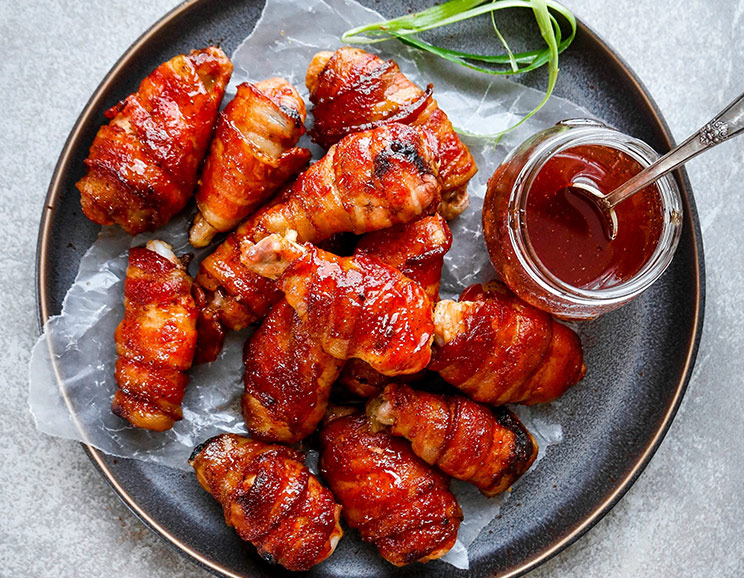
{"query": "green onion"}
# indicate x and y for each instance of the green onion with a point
(504, 43)
(405, 29)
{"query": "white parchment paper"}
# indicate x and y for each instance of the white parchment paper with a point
(71, 372)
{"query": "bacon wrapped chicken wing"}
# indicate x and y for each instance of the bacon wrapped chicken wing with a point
(142, 166)
(498, 349)
(394, 499)
(270, 498)
(354, 306)
(253, 153)
(156, 339)
(353, 90)
(466, 440)
(288, 378)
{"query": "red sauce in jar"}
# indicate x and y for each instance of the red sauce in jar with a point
(568, 233)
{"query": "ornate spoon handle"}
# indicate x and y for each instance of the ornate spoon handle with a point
(728, 123)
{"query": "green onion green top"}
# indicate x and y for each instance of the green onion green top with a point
(406, 27)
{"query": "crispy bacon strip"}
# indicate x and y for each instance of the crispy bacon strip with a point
(368, 181)
(417, 250)
(142, 166)
(288, 378)
(391, 496)
(498, 349)
(468, 441)
(156, 339)
(270, 498)
(251, 156)
(354, 306)
(353, 90)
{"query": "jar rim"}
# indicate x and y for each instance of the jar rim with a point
(587, 132)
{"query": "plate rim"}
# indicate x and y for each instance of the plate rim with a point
(599, 511)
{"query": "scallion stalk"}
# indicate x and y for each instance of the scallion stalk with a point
(405, 29)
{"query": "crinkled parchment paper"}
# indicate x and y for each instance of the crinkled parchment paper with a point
(71, 372)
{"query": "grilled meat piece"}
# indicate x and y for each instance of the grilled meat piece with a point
(253, 154)
(156, 339)
(394, 499)
(142, 166)
(353, 90)
(488, 447)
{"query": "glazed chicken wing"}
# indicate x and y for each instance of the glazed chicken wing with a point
(354, 306)
(156, 339)
(391, 496)
(270, 498)
(288, 375)
(142, 166)
(366, 182)
(353, 90)
(417, 250)
(468, 441)
(288, 378)
(498, 349)
(251, 156)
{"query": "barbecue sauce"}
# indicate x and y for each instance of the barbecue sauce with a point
(567, 232)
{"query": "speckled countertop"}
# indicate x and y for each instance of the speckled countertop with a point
(685, 514)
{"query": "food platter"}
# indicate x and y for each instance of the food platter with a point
(640, 357)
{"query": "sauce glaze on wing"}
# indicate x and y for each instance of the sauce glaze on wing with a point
(394, 499)
(353, 90)
(156, 339)
(142, 166)
(270, 498)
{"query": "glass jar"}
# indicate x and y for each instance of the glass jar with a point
(508, 239)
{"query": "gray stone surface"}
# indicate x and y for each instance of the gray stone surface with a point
(684, 515)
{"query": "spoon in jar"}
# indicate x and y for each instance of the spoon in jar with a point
(728, 123)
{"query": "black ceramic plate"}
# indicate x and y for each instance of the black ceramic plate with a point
(639, 357)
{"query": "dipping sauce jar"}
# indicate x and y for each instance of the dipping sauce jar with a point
(549, 244)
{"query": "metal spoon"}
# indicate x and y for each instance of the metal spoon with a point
(728, 123)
